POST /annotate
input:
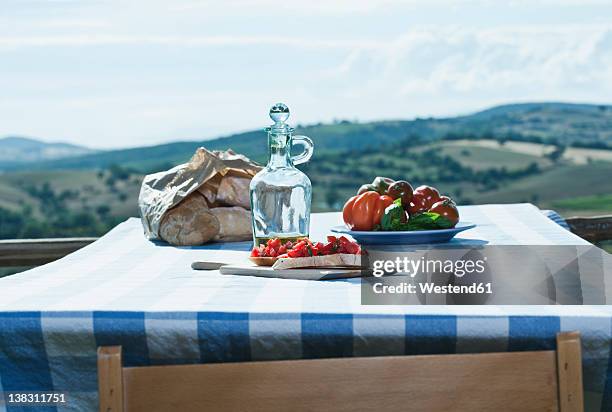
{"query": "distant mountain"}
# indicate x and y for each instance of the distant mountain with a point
(15, 150)
(564, 123)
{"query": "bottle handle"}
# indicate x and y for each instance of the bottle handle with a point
(308, 149)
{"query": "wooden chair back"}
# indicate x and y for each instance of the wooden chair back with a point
(512, 381)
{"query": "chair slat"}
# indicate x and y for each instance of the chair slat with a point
(569, 364)
(110, 379)
(516, 381)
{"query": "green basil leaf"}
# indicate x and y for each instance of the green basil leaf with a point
(392, 217)
(443, 223)
(423, 221)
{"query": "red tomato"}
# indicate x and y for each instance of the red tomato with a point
(447, 209)
(401, 189)
(299, 250)
(346, 246)
(418, 204)
(364, 211)
(429, 194)
(325, 249)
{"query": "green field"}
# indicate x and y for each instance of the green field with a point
(599, 202)
(585, 205)
(66, 203)
(576, 155)
(88, 189)
(481, 158)
(558, 183)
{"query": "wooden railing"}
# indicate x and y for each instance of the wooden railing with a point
(35, 252)
(593, 229)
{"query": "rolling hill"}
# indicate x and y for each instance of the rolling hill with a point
(562, 123)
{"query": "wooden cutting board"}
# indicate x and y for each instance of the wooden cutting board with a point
(301, 274)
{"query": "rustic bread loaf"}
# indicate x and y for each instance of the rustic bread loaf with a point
(234, 191)
(209, 190)
(234, 223)
(189, 223)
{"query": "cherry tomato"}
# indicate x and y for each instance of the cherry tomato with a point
(447, 209)
(401, 189)
(447, 198)
(364, 211)
(430, 194)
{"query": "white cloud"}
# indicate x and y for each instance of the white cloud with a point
(80, 40)
(355, 6)
(156, 70)
(456, 60)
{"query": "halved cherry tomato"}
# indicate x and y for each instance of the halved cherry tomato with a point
(364, 211)
(447, 209)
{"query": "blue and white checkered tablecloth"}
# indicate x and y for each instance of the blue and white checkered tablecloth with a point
(144, 296)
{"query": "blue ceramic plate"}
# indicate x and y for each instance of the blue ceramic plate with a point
(404, 238)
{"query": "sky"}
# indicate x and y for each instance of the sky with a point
(111, 74)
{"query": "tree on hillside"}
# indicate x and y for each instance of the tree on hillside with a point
(556, 155)
(103, 211)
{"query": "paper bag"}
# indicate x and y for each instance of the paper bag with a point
(212, 179)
